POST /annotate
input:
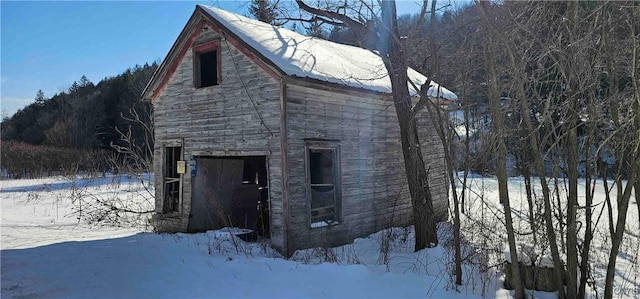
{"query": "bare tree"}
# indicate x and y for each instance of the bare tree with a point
(626, 125)
(444, 131)
(490, 46)
(531, 139)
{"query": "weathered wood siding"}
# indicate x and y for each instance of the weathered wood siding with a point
(374, 187)
(433, 154)
(220, 121)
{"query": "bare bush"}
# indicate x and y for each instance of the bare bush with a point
(23, 160)
(115, 205)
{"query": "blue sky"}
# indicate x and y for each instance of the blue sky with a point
(49, 45)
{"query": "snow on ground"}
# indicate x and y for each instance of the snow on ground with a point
(484, 208)
(48, 253)
(38, 212)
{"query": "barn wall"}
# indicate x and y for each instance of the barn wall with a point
(220, 121)
(433, 154)
(374, 190)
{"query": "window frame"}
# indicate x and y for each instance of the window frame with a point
(198, 51)
(334, 146)
(166, 207)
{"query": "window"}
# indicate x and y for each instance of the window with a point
(323, 183)
(172, 154)
(206, 64)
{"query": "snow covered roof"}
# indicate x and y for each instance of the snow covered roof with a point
(309, 57)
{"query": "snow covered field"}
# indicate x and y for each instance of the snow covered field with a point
(47, 252)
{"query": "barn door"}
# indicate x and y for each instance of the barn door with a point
(212, 191)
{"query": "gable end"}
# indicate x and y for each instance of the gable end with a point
(187, 40)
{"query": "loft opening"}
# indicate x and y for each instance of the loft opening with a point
(206, 64)
(231, 192)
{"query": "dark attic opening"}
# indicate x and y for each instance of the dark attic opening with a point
(231, 192)
(208, 69)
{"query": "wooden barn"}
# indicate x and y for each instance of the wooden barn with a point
(291, 136)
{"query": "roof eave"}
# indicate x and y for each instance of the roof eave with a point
(317, 83)
(148, 94)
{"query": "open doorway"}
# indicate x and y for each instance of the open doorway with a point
(230, 192)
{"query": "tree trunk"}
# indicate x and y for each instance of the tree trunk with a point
(588, 233)
(530, 202)
(572, 164)
(616, 239)
(572, 203)
(396, 63)
(633, 159)
(558, 207)
(467, 151)
(501, 153)
(637, 189)
(444, 133)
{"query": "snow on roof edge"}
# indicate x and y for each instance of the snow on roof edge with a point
(309, 57)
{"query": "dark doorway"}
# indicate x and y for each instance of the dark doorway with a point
(230, 192)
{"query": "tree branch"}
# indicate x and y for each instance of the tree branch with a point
(424, 96)
(344, 19)
(317, 18)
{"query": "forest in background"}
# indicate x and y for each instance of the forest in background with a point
(80, 128)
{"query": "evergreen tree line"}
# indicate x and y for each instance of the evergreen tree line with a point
(86, 118)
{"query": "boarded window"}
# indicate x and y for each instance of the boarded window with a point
(206, 69)
(173, 154)
(323, 183)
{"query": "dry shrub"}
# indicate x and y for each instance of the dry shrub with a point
(23, 160)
